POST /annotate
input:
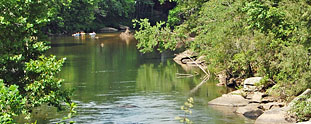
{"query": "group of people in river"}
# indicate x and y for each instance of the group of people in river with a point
(83, 34)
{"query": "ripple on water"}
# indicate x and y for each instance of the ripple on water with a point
(128, 110)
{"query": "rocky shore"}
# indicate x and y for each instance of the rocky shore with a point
(257, 105)
(248, 101)
(254, 104)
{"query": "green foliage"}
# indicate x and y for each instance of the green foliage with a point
(43, 87)
(11, 103)
(29, 77)
(187, 111)
(156, 36)
(70, 114)
(73, 17)
(265, 38)
(302, 108)
(174, 16)
(294, 70)
(92, 15)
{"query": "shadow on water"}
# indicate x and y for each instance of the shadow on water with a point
(115, 83)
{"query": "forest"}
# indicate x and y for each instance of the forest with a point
(243, 38)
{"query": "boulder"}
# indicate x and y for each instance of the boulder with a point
(249, 96)
(306, 122)
(108, 29)
(256, 97)
(189, 59)
(229, 100)
(250, 111)
(273, 116)
(249, 83)
(236, 92)
(181, 58)
(272, 105)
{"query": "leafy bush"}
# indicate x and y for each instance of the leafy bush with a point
(302, 108)
(11, 103)
(155, 37)
(28, 77)
(246, 38)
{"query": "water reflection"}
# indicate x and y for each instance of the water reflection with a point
(114, 83)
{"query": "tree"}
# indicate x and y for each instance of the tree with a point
(28, 77)
(75, 16)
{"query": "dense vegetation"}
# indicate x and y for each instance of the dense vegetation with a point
(92, 15)
(268, 38)
(27, 76)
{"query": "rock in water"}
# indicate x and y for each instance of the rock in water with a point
(229, 100)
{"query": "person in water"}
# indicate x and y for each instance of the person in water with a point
(76, 34)
(92, 34)
(82, 33)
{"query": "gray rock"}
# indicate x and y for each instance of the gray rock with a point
(250, 111)
(229, 100)
(253, 114)
(272, 105)
(268, 99)
(108, 29)
(249, 83)
(236, 92)
(306, 122)
(273, 116)
(179, 58)
(249, 95)
(256, 98)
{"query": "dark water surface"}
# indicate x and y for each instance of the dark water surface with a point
(115, 84)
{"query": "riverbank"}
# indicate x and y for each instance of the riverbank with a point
(250, 100)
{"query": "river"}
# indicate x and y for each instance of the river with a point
(116, 84)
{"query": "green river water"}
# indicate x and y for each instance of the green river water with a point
(115, 84)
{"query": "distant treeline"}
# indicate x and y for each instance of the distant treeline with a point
(91, 15)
